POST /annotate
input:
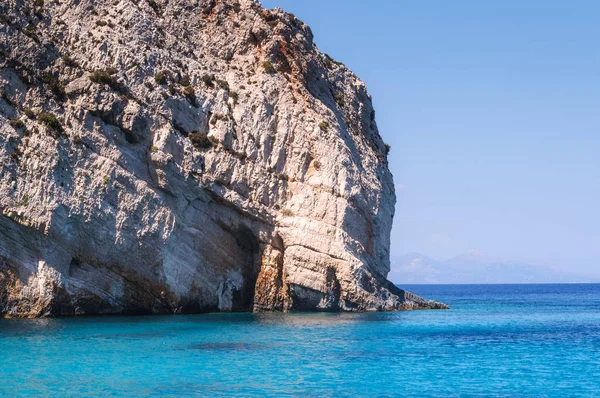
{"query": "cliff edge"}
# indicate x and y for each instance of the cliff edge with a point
(185, 156)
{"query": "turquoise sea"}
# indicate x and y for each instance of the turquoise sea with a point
(497, 340)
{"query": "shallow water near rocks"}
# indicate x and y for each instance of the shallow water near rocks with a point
(497, 340)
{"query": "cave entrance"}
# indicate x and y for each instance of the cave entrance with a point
(243, 299)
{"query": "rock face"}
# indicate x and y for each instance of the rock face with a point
(185, 156)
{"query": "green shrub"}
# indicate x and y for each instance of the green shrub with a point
(329, 61)
(223, 84)
(218, 116)
(29, 113)
(388, 148)
(50, 121)
(15, 157)
(185, 81)
(268, 67)
(48, 78)
(161, 77)
(201, 140)
(23, 201)
(68, 61)
(105, 77)
(16, 124)
(29, 30)
(154, 6)
(324, 125)
(339, 98)
(208, 80)
(190, 93)
(281, 176)
(235, 97)
(287, 213)
(5, 97)
(213, 140)
(55, 87)
(102, 77)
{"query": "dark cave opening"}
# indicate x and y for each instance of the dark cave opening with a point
(243, 299)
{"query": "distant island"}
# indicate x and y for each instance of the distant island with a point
(475, 267)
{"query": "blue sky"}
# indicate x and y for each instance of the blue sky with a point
(492, 110)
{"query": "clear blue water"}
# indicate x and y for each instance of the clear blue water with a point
(498, 340)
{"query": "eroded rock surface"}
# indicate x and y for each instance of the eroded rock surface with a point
(185, 156)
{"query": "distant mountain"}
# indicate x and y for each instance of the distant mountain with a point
(475, 267)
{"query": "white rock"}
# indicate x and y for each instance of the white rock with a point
(289, 207)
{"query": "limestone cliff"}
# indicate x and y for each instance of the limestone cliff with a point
(185, 156)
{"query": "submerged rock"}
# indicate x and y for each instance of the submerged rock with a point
(186, 156)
